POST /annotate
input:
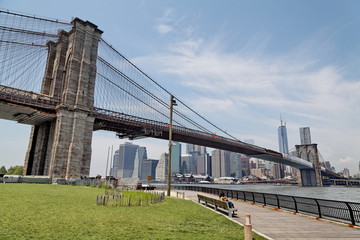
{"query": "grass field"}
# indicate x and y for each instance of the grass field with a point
(33, 211)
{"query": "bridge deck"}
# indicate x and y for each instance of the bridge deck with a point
(278, 224)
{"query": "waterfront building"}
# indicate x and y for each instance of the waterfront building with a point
(235, 165)
(148, 170)
(208, 165)
(162, 168)
(199, 161)
(184, 168)
(116, 163)
(140, 156)
(245, 165)
(275, 171)
(201, 164)
(346, 173)
(126, 160)
(220, 163)
(176, 158)
(187, 163)
(189, 148)
(200, 149)
(245, 160)
(328, 165)
(260, 172)
(305, 136)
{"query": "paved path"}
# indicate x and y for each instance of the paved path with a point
(280, 225)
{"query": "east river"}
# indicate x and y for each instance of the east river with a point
(350, 194)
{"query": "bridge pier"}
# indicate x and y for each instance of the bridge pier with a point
(309, 177)
(61, 148)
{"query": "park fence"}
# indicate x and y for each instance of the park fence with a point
(116, 199)
(348, 212)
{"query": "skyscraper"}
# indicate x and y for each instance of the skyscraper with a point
(305, 136)
(162, 168)
(186, 163)
(116, 164)
(283, 147)
(140, 156)
(175, 158)
(126, 160)
(235, 165)
(189, 148)
(283, 141)
(220, 163)
(245, 160)
(148, 169)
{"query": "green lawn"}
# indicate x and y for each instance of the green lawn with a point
(32, 211)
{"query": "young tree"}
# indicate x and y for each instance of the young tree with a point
(3, 170)
(16, 170)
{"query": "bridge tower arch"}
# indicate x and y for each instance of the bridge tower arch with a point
(61, 148)
(309, 177)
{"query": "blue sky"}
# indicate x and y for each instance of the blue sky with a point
(239, 63)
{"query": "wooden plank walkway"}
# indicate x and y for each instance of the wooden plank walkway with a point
(281, 225)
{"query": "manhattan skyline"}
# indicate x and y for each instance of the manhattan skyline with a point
(238, 63)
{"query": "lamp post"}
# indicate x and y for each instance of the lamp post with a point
(172, 104)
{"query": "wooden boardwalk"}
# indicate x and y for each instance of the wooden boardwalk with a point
(281, 225)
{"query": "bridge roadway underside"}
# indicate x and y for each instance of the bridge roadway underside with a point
(24, 115)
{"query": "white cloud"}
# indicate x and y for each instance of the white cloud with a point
(165, 24)
(163, 28)
(347, 159)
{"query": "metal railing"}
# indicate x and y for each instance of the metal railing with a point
(348, 212)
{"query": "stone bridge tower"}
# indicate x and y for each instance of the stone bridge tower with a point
(309, 177)
(61, 148)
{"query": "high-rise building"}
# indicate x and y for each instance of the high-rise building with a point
(328, 165)
(191, 157)
(126, 160)
(201, 164)
(140, 156)
(162, 168)
(149, 169)
(245, 160)
(116, 164)
(283, 145)
(208, 165)
(189, 148)
(305, 136)
(346, 173)
(220, 163)
(175, 158)
(283, 140)
(245, 165)
(186, 166)
(235, 165)
(200, 149)
(275, 171)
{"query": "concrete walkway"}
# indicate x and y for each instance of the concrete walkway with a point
(280, 224)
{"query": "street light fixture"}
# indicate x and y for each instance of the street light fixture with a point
(172, 104)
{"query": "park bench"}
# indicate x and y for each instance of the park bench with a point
(217, 203)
